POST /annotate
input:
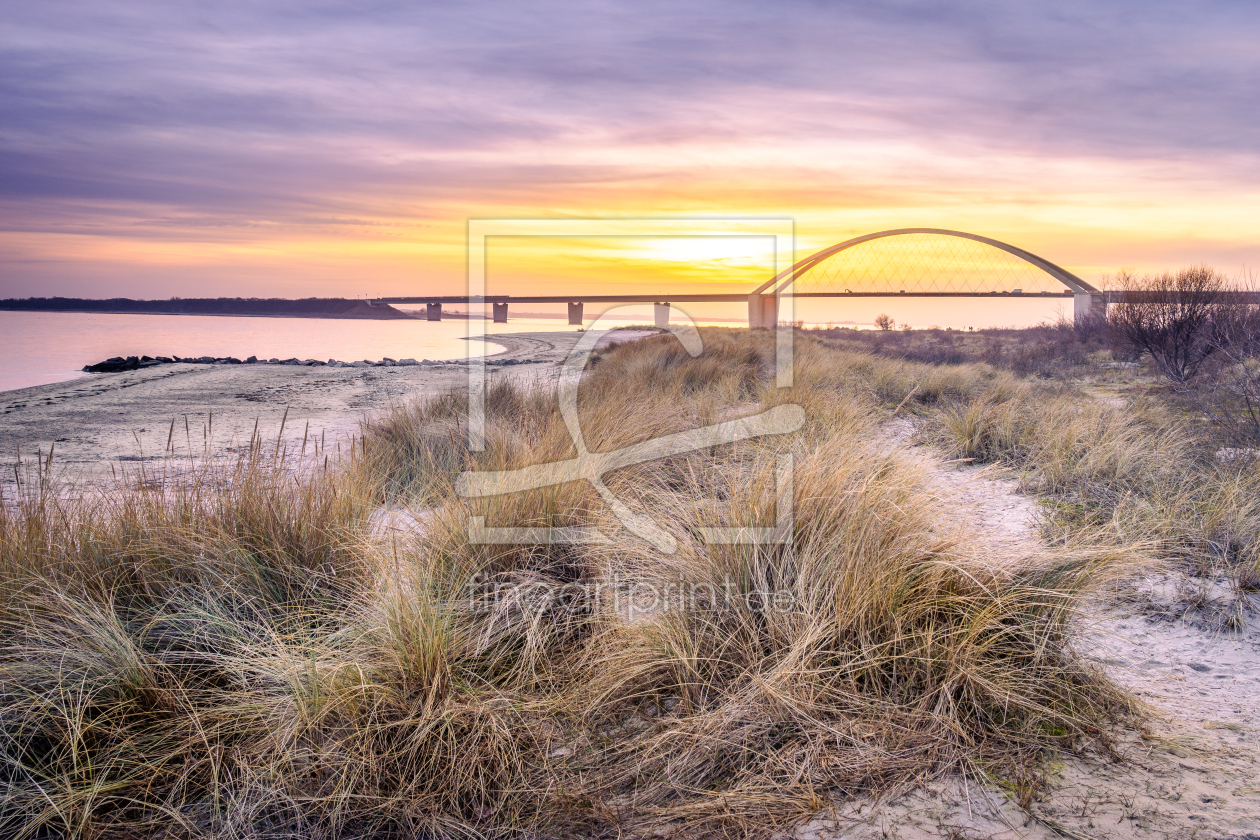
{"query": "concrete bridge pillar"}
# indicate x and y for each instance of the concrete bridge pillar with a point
(661, 311)
(499, 311)
(763, 311)
(433, 311)
(1088, 305)
(575, 314)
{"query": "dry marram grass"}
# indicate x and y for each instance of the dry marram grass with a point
(234, 653)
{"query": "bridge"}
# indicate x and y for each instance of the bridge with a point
(902, 263)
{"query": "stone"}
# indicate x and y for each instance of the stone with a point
(204, 360)
(166, 360)
(360, 364)
(252, 360)
(408, 362)
(110, 365)
(273, 361)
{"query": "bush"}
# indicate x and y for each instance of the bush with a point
(1228, 391)
(1177, 319)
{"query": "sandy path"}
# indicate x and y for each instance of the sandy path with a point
(102, 419)
(1195, 772)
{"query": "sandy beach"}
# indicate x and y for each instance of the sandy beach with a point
(100, 420)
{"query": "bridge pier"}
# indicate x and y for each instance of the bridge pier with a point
(661, 312)
(1088, 305)
(433, 311)
(575, 314)
(763, 311)
(499, 310)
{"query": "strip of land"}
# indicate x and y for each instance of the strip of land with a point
(237, 307)
(96, 421)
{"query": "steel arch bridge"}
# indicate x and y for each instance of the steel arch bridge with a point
(922, 262)
(910, 262)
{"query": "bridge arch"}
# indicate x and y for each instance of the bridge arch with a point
(763, 300)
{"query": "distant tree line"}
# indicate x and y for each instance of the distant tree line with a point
(303, 307)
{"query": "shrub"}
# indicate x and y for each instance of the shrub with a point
(1175, 318)
(1228, 391)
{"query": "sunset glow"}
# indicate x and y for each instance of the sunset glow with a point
(152, 151)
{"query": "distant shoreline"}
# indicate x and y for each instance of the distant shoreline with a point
(204, 314)
(333, 308)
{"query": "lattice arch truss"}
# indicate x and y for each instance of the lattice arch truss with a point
(924, 260)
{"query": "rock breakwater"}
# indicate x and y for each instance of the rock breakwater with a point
(120, 363)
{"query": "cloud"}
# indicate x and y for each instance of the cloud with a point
(183, 116)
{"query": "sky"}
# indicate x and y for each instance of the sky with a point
(157, 149)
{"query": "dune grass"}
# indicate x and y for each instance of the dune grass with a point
(239, 652)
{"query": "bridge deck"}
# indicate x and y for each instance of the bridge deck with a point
(763, 309)
(1233, 297)
(691, 298)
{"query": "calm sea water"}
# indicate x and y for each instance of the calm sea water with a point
(44, 347)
